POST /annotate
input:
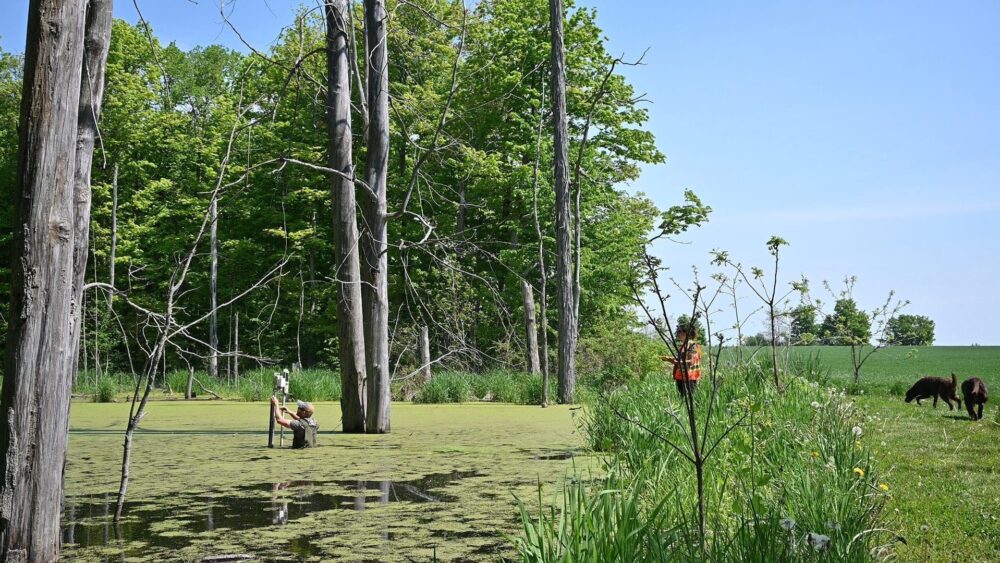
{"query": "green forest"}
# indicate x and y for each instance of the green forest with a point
(466, 142)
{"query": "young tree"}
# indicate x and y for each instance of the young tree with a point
(39, 361)
(568, 330)
(910, 330)
(850, 326)
(766, 289)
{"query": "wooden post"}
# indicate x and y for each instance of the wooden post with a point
(530, 328)
(425, 354)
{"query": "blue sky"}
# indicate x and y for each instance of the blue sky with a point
(867, 134)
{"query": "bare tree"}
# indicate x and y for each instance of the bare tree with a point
(45, 299)
(530, 328)
(213, 285)
(877, 320)
(542, 270)
(374, 248)
(350, 319)
(564, 216)
(766, 289)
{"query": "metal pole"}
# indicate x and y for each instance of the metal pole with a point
(270, 413)
(284, 397)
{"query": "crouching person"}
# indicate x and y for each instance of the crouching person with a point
(302, 424)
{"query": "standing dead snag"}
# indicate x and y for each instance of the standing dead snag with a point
(564, 242)
(350, 319)
(45, 313)
(374, 247)
(425, 354)
(530, 328)
(97, 40)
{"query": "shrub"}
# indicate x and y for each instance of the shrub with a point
(106, 390)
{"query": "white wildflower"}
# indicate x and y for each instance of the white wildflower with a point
(815, 404)
(857, 431)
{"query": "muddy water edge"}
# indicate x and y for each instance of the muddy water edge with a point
(204, 483)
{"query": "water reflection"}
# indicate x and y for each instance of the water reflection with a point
(87, 520)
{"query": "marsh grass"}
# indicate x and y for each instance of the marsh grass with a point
(795, 481)
(496, 386)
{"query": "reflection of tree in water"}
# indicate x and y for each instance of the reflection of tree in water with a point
(86, 520)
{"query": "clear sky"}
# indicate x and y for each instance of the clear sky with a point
(867, 134)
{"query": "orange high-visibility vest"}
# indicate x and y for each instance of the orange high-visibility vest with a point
(693, 353)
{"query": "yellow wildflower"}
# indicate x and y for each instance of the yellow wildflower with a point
(859, 472)
(884, 488)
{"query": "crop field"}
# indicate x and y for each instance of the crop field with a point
(895, 368)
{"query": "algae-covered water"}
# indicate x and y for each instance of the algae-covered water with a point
(204, 483)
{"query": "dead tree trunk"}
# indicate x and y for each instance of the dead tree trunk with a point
(97, 39)
(350, 319)
(236, 349)
(44, 302)
(374, 247)
(189, 388)
(114, 239)
(530, 328)
(213, 285)
(425, 354)
(542, 269)
(564, 236)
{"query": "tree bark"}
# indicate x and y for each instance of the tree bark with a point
(213, 286)
(564, 237)
(530, 328)
(376, 289)
(45, 304)
(350, 318)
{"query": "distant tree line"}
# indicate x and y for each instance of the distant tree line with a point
(849, 323)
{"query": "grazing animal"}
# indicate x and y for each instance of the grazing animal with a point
(927, 387)
(974, 393)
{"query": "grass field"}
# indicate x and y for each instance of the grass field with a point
(893, 367)
(942, 467)
(942, 470)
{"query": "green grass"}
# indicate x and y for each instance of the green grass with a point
(793, 457)
(894, 369)
(942, 470)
